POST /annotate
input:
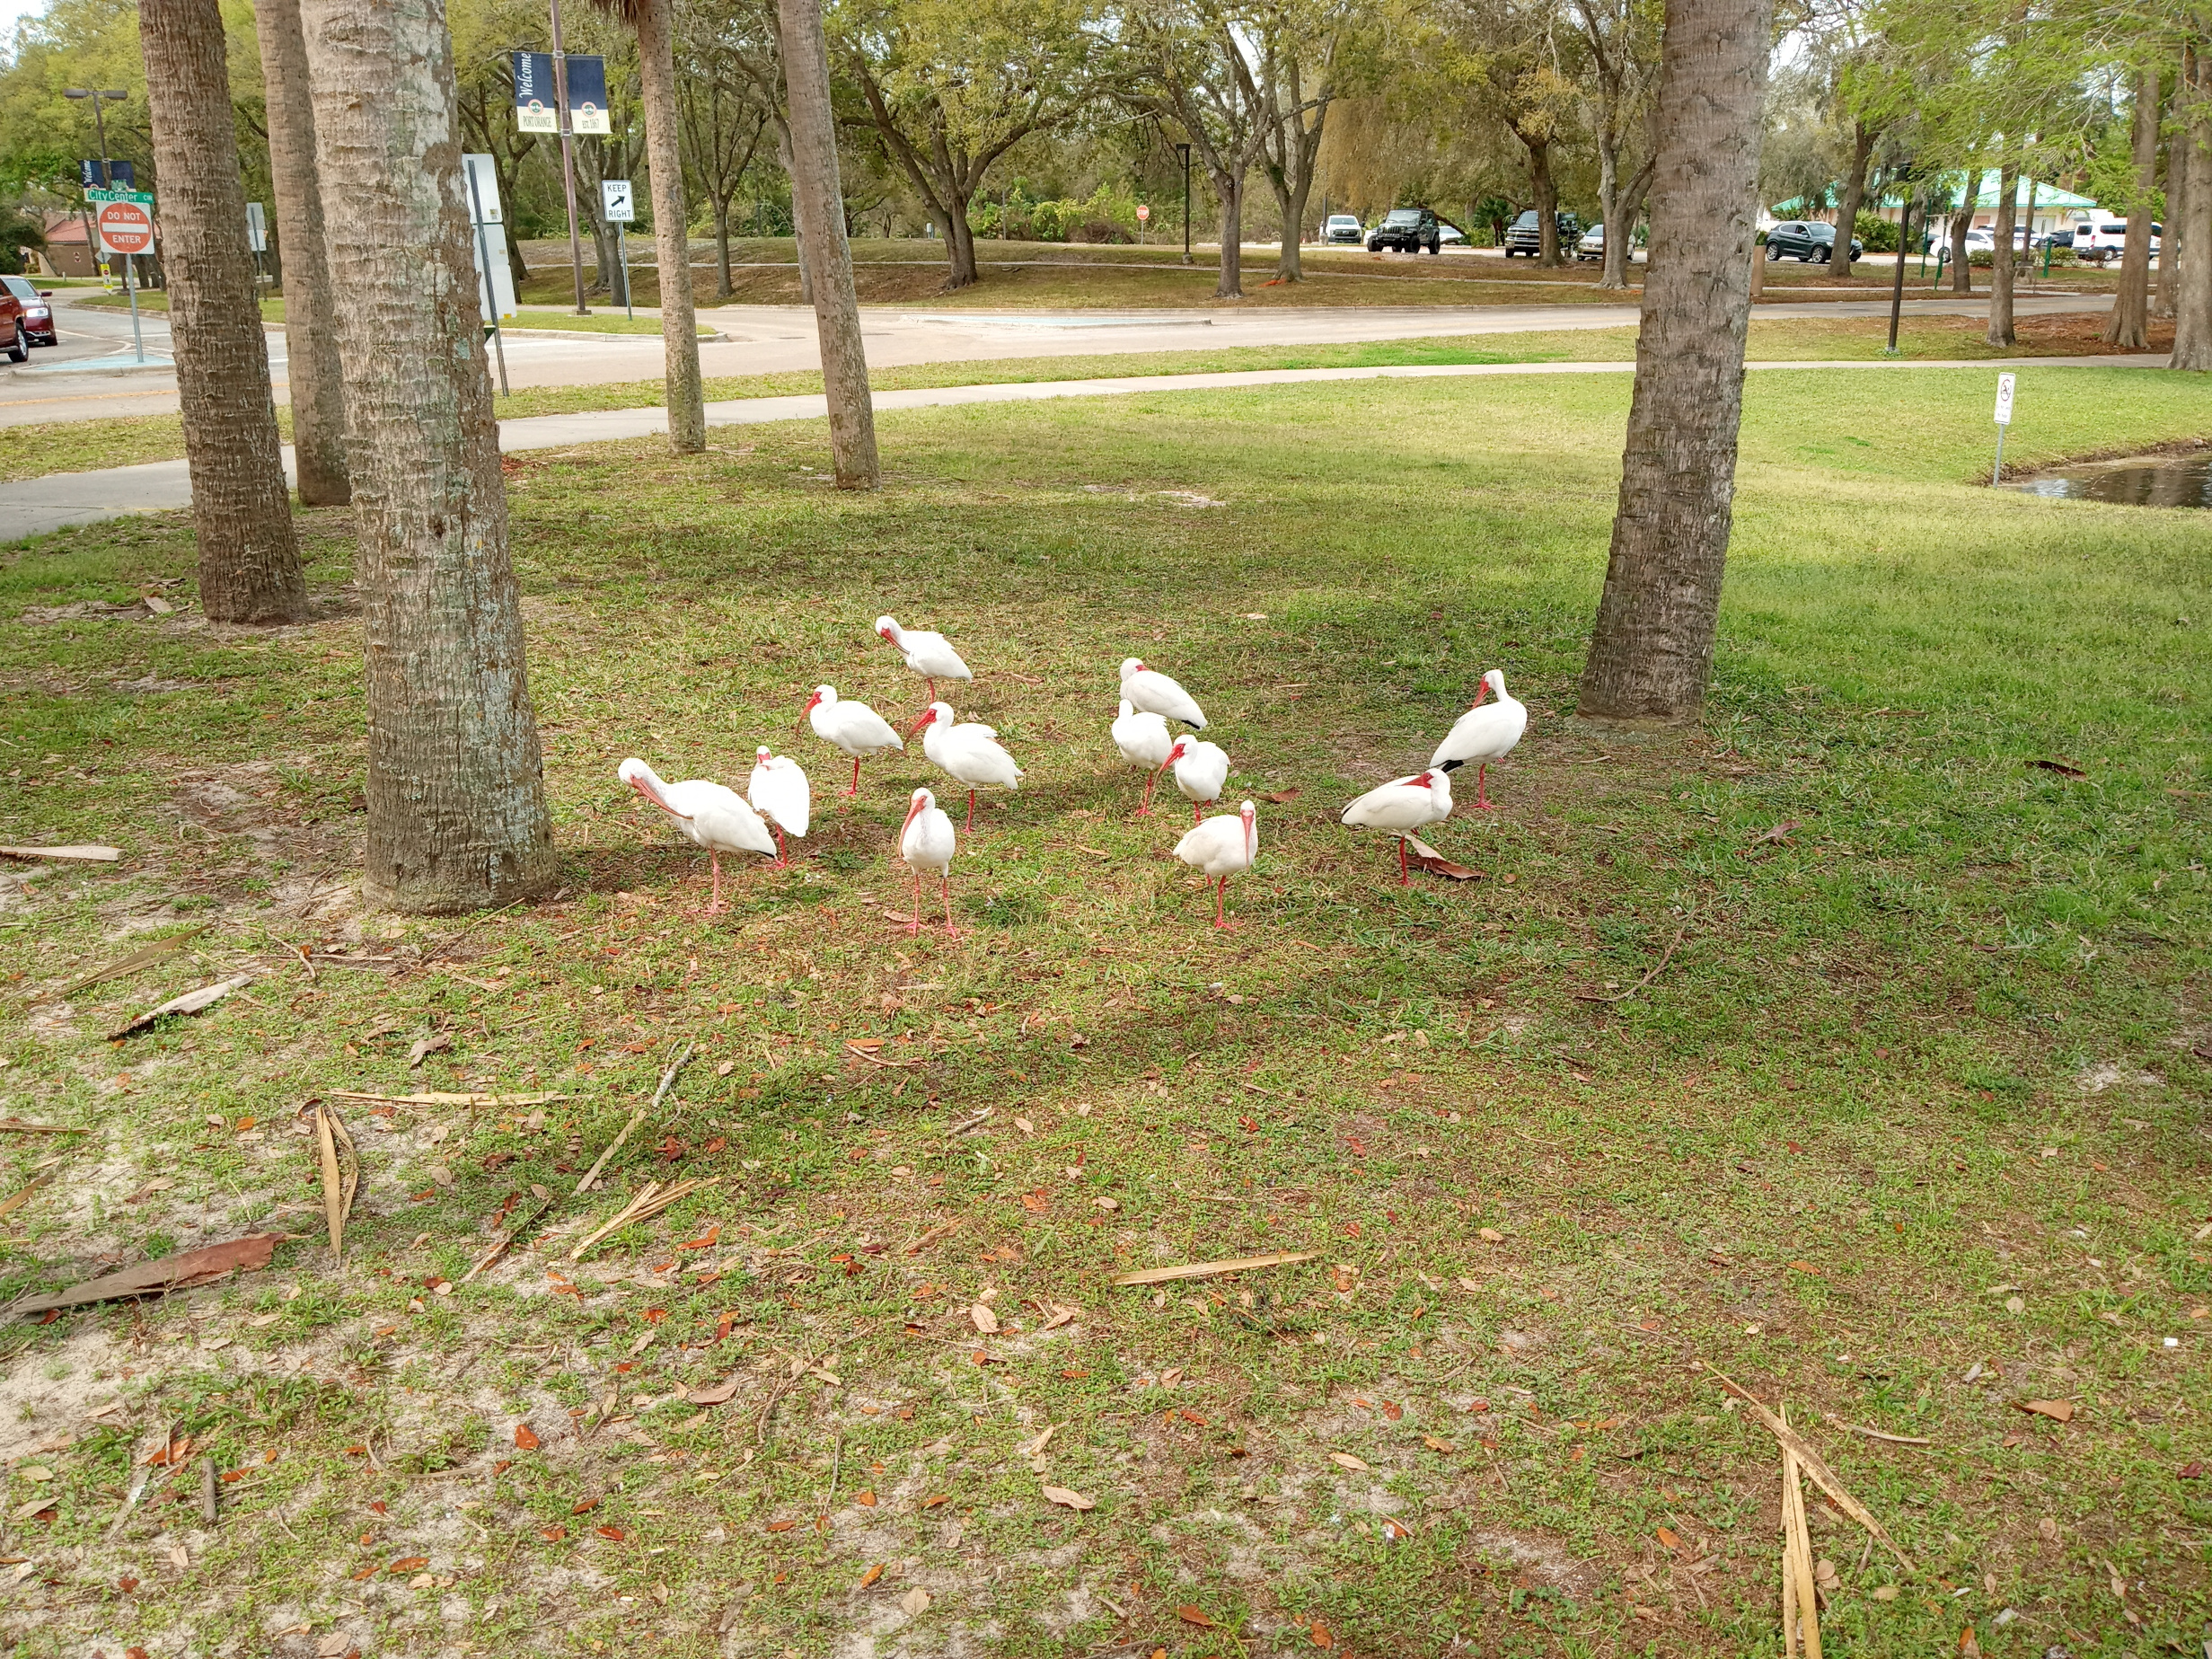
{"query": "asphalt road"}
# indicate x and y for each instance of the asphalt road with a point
(765, 339)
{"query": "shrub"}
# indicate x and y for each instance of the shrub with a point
(1876, 234)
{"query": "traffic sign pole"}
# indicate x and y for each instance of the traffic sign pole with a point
(2004, 420)
(126, 225)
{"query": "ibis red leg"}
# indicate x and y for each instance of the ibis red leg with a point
(1483, 803)
(1403, 880)
(971, 830)
(1219, 888)
(714, 859)
(855, 790)
(1197, 815)
(1145, 811)
(780, 858)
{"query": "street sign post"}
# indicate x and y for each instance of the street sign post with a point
(2004, 420)
(495, 288)
(124, 220)
(616, 201)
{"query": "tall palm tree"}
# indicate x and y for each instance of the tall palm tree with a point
(456, 790)
(654, 25)
(310, 326)
(1651, 650)
(249, 558)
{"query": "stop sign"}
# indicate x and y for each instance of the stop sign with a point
(1143, 212)
(125, 227)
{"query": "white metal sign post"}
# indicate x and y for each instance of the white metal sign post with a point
(484, 214)
(619, 205)
(125, 221)
(2004, 420)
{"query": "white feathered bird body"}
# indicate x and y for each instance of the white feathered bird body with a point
(1487, 731)
(1141, 737)
(1154, 692)
(928, 655)
(781, 792)
(967, 751)
(1225, 844)
(852, 727)
(714, 816)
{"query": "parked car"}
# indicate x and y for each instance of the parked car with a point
(2061, 238)
(2105, 239)
(1451, 237)
(1808, 242)
(1591, 247)
(1405, 230)
(1527, 234)
(26, 315)
(1342, 227)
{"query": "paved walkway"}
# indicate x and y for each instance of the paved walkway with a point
(36, 506)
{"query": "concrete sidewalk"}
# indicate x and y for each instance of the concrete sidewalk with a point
(36, 507)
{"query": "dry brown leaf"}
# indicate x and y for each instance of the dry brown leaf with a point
(866, 1500)
(1668, 1536)
(199, 1266)
(2057, 1410)
(1434, 1444)
(1191, 1615)
(1345, 1459)
(190, 1002)
(985, 1320)
(1068, 1499)
(914, 1602)
(1208, 1269)
(721, 1393)
(1060, 1316)
(526, 1437)
(425, 1046)
(871, 1575)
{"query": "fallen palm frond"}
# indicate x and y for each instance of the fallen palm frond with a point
(340, 1182)
(1814, 1464)
(1208, 1269)
(649, 1203)
(145, 956)
(190, 1002)
(170, 1272)
(439, 1098)
(1801, 1606)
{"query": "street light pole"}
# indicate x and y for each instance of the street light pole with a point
(568, 153)
(1897, 288)
(1184, 150)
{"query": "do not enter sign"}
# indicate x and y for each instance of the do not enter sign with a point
(125, 227)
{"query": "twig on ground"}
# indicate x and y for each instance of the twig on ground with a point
(1657, 969)
(668, 1078)
(1815, 1465)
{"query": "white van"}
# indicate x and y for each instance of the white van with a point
(2099, 240)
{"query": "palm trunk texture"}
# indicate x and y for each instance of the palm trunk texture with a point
(826, 257)
(664, 127)
(249, 558)
(2128, 326)
(456, 794)
(1650, 650)
(309, 325)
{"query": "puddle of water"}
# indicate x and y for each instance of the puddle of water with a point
(2143, 480)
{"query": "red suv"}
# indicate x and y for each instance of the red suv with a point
(26, 315)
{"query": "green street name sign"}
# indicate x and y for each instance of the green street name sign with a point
(140, 198)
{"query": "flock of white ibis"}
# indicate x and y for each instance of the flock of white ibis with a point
(778, 802)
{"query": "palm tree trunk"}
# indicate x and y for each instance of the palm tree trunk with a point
(2001, 256)
(826, 257)
(2128, 326)
(309, 327)
(456, 794)
(1651, 650)
(2192, 296)
(249, 558)
(664, 129)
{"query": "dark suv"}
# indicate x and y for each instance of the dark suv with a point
(1405, 230)
(1527, 234)
(1808, 241)
(26, 318)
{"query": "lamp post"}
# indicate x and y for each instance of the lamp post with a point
(1184, 150)
(1904, 176)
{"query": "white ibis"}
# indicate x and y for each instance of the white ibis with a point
(1143, 739)
(1201, 771)
(968, 753)
(780, 794)
(1224, 845)
(1155, 694)
(1485, 732)
(853, 727)
(926, 843)
(714, 816)
(1403, 805)
(928, 655)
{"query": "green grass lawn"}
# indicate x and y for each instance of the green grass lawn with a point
(63, 446)
(1905, 1128)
